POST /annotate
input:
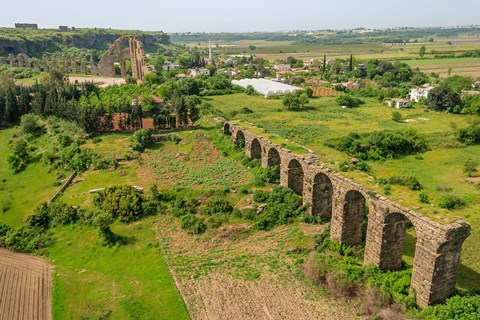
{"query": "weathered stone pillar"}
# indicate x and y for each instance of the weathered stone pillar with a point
(36, 65)
(3, 60)
(11, 59)
(21, 60)
(436, 264)
(46, 66)
(54, 63)
(347, 216)
(27, 61)
(73, 65)
(64, 65)
(84, 67)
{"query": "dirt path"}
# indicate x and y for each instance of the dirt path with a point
(105, 81)
(226, 275)
(25, 287)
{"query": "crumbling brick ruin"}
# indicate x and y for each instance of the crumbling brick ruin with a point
(329, 194)
(123, 49)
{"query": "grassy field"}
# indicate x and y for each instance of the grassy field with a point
(439, 170)
(461, 66)
(20, 193)
(122, 282)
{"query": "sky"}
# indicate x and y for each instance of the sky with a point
(240, 16)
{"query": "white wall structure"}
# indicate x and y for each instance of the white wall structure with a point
(266, 87)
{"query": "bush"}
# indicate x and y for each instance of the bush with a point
(396, 116)
(458, 307)
(192, 224)
(141, 139)
(29, 124)
(282, 206)
(217, 205)
(381, 145)
(182, 207)
(63, 214)
(123, 203)
(423, 198)
(260, 196)
(348, 101)
(408, 181)
(470, 135)
(27, 239)
(451, 202)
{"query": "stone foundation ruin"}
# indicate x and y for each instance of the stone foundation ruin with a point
(124, 49)
(329, 194)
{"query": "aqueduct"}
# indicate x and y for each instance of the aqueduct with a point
(344, 202)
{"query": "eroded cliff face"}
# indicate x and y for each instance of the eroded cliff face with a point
(35, 44)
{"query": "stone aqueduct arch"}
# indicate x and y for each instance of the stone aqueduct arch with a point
(438, 246)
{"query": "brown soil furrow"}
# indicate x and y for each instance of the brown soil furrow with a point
(25, 287)
(4, 292)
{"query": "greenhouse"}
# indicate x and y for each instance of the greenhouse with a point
(266, 87)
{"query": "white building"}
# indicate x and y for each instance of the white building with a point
(199, 71)
(168, 65)
(417, 93)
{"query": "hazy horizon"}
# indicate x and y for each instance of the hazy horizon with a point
(248, 16)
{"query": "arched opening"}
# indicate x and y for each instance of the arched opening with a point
(226, 129)
(256, 149)
(398, 242)
(354, 211)
(240, 139)
(295, 176)
(273, 158)
(322, 196)
(274, 161)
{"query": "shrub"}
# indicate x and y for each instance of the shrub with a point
(408, 181)
(387, 189)
(451, 202)
(141, 139)
(217, 205)
(470, 135)
(192, 224)
(182, 207)
(27, 239)
(63, 214)
(260, 196)
(423, 198)
(123, 202)
(396, 116)
(458, 307)
(470, 167)
(348, 101)
(381, 145)
(29, 124)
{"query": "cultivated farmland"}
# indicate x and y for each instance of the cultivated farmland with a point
(25, 284)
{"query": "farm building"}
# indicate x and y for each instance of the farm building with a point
(417, 93)
(266, 87)
(399, 103)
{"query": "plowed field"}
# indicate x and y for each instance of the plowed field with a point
(25, 284)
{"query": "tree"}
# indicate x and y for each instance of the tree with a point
(191, 102)
(295, 100)
(470, 167)
(29, 125)
(443, 98)
(422, 52)
(141, 139)
(309, 92)
(348, 101)
(396, 116)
